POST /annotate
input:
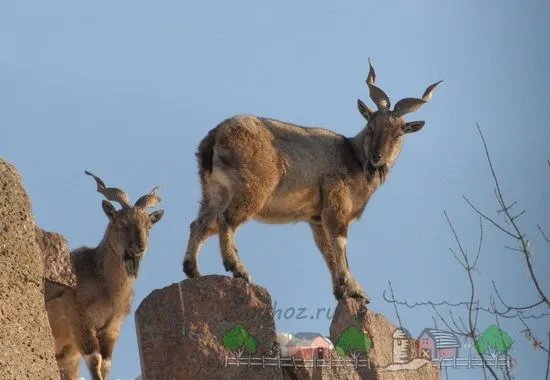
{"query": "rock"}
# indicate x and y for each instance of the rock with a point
(56, 258)
(27, 345)
(181, 335)
(350, 314)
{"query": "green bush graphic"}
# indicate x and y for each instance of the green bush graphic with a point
(494, 340)
(354, 342)
(239, 339)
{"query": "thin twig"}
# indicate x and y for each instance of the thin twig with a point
(395, 306)
(543, 234)
(472, 323)
(548, 352)
(489, 219)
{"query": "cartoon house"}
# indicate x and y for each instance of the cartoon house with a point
(438, 344)
(401, 346)
(309, 346)
(283, 339)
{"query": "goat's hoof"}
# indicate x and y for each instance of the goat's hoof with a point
(339, 292)
(229, 265)
(361, 296)
(355, 292)
(240, 271)
(190, 269)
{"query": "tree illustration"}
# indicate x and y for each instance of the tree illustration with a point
(239, 339)
(354, 342)
(494, 340)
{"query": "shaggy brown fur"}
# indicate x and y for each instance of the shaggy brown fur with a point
(276, 172)
(86, 320)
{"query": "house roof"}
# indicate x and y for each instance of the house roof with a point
(306, 335)
(442, 338)
(299, 343)
(306, 340)
(401, 333)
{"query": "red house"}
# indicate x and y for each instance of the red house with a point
(438, 344)
(309, 346)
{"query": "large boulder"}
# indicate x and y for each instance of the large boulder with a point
(58, 274)
(181, 330)
(384, 366)
(392, 353)
(56, 258)
(26, 351)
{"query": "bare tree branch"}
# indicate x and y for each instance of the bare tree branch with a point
(523, 242)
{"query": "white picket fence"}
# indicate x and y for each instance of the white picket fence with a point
(279, 361)
(469, 362)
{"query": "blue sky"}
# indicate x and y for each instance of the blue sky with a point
(128, 89)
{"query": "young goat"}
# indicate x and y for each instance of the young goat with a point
(276, 172)
(86, 320)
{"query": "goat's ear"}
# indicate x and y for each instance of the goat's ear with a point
(156, 216)
(413, 126)
(364, 110)
(109, 209)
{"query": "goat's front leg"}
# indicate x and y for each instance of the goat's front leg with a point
(70, 369)
(87, 342)
(348, 285)
(325, 246)
(335, 219)
(89, 348)
(106, 347)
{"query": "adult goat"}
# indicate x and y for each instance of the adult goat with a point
(86, 320)
(276, 172)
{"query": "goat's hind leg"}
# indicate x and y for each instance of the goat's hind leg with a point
(231, 261)
(203, 227)
(243, 206)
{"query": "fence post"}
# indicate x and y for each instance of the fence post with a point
(263, 361)
(238, 356)
(470, 361)
(454, 361)
(278, 360)
(226, 360)
(356, 362)
(249, 361)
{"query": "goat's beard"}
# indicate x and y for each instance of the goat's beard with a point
(131, 262)
(376, 171)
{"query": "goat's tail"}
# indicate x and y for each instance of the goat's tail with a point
(205, 153)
